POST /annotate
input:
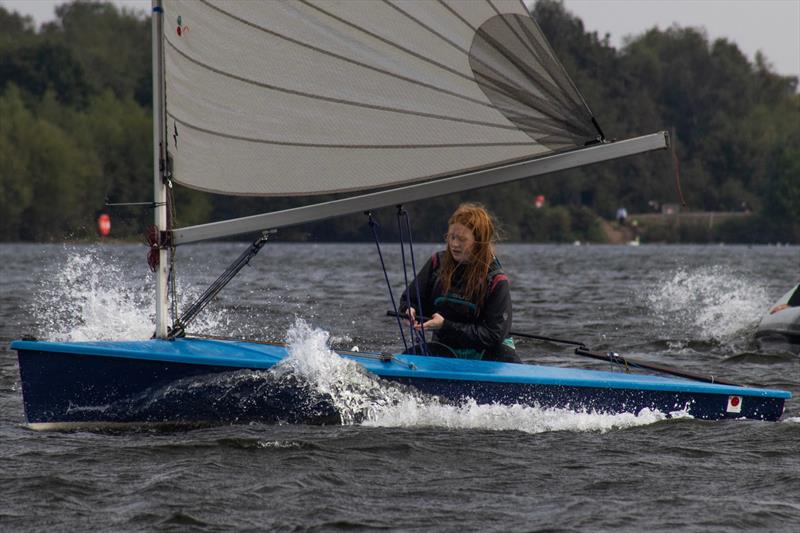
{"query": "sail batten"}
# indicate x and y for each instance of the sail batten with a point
(306, 97)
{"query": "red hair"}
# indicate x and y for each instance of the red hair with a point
(475, 217)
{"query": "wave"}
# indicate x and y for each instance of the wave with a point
(710, 304)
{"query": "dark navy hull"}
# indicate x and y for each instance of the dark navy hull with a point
(194, 381)
(70, 388)
(602, 400)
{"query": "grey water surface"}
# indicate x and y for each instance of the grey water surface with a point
(416, 466)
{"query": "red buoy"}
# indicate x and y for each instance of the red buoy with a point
(104, 225)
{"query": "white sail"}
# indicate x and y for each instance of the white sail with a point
(300, 97)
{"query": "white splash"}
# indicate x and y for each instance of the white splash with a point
(362, 398)
(90, 297)
(710, 303)
(354, 393)
(93, 295)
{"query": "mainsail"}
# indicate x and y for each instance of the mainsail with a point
(402, 99)
(306, 97)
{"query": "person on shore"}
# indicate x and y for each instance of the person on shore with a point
(622, 215)
(464, 292)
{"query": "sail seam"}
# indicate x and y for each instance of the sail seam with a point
(564, 72)
(348, 146)
(411, 52)
(561, 71)
(506, 87)
(537, 50)
(543, 83)
(536, 104)
(338, 100)
(387, 41)
(451, 43)
(374, 188)
(352, 61)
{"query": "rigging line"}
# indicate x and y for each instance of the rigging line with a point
(373, 224)
(676, 165)
(179, 327)
(411, 330)
(331, 99)
(351, 61)
(401, 212)
(350, 146)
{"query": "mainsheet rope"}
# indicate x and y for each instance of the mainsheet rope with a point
(373, 224)
(402, 214)
(417, 338)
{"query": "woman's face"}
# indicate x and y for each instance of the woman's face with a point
(460, 241)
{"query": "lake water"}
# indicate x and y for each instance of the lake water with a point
(414, 465)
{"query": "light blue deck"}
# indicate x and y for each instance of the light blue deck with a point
(240, 354)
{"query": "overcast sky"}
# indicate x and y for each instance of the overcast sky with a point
(772, 26)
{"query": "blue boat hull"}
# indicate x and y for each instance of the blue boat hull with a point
(196, 381)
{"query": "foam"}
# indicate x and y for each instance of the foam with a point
(364, 399)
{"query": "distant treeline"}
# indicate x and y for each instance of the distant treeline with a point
(76, 131)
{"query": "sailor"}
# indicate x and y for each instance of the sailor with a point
(465, 292)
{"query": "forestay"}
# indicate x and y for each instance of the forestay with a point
(301, 97)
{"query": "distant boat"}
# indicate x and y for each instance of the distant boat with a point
(781, 323)
(404, 100)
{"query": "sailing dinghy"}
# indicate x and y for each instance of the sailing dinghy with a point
(781, 324)
(390, 102)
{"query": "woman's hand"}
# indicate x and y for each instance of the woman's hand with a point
(411, 316)
(436, 322)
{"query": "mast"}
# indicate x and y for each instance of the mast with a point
(159, 166)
